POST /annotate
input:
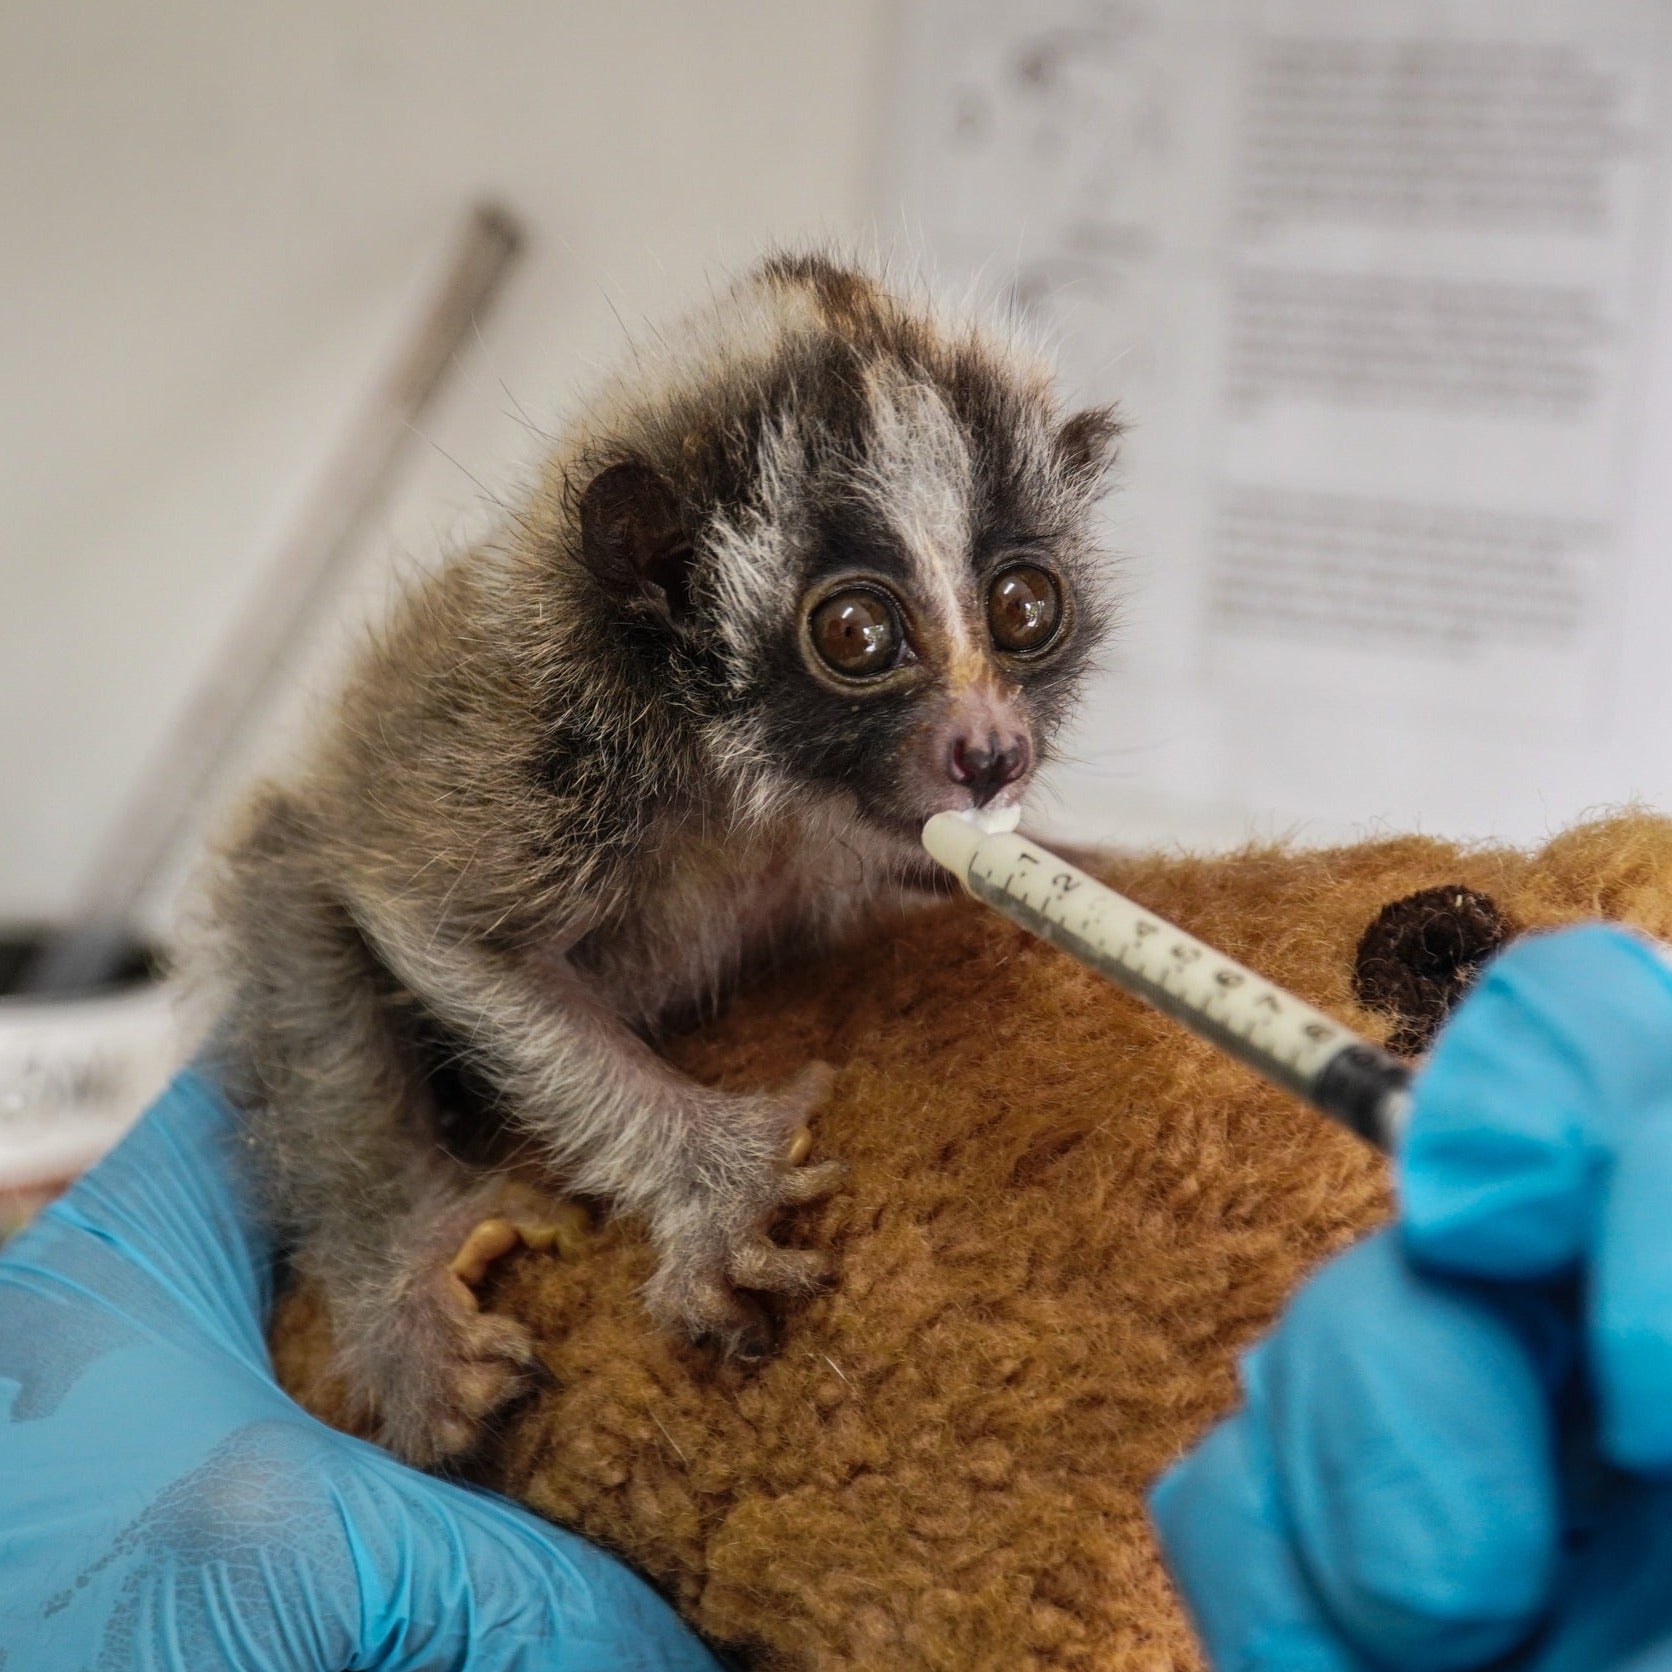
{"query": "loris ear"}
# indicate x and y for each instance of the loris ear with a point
(1087, 444)
(632, 539)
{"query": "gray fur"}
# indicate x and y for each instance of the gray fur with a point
(554, 811)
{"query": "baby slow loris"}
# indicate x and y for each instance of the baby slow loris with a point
(818, 567)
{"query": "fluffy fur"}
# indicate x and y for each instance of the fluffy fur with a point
(593, 772)
(1065, 1216)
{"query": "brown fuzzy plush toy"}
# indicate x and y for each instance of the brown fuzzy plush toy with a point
(1064, 1218)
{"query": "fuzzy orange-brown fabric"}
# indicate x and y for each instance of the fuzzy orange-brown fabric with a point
(1065, 1216)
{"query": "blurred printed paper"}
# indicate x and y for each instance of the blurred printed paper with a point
(1378, 288)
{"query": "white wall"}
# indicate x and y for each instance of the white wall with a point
(212, 215)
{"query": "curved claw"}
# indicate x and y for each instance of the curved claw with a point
(562, 1228)
(487, 1242)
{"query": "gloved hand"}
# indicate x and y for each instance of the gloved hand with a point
(1456, 1444)
(164, 1505)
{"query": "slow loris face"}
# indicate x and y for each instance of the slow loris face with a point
(938, 636)
(886, 564)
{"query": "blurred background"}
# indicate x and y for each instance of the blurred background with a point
(217, 220)
(1380, 286)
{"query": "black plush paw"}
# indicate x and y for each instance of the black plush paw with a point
(1420, 955)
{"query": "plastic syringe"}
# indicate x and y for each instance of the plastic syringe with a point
(1291, 1043)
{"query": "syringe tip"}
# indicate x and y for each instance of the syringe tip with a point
(952, 840)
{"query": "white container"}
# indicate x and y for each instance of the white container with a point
(76, 1072)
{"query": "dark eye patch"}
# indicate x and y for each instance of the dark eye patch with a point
(850, 537)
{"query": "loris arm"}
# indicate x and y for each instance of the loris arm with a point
(707, 1168)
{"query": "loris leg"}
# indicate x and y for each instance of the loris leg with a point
(412, 1337)
(709, 1169)
(381, 1215)
(355, 1177)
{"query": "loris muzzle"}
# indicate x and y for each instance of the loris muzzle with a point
(818, 565)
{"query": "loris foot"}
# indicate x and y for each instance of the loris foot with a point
(436, 1366)
(712, 1234)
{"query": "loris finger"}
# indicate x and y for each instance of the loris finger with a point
(809, 1184)
(808, 1089)
(781, 1271)
(708, 1309)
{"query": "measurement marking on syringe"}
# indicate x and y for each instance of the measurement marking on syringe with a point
(1239, 1006)
(1296, 1045)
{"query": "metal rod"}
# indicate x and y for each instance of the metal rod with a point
(354, 487)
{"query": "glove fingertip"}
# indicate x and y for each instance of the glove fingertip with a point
(1629, 1299)
(1228, 1548)
(1560, 1034)
(1486, 1203)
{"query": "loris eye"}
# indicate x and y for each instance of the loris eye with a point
(857, 633)
(1024, 609)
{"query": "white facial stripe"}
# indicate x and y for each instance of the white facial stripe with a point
(919, 480)
(755, 576)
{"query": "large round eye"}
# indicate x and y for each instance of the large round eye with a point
(857, 632)
(1024, 608)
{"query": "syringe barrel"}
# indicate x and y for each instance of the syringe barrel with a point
(1279, 1035)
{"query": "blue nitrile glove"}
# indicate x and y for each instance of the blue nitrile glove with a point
(1457, 1444)
(164, 1505)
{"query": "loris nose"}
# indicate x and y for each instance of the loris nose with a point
(987, 767)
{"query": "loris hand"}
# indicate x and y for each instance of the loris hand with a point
(164, 1504)
(710, 1228)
